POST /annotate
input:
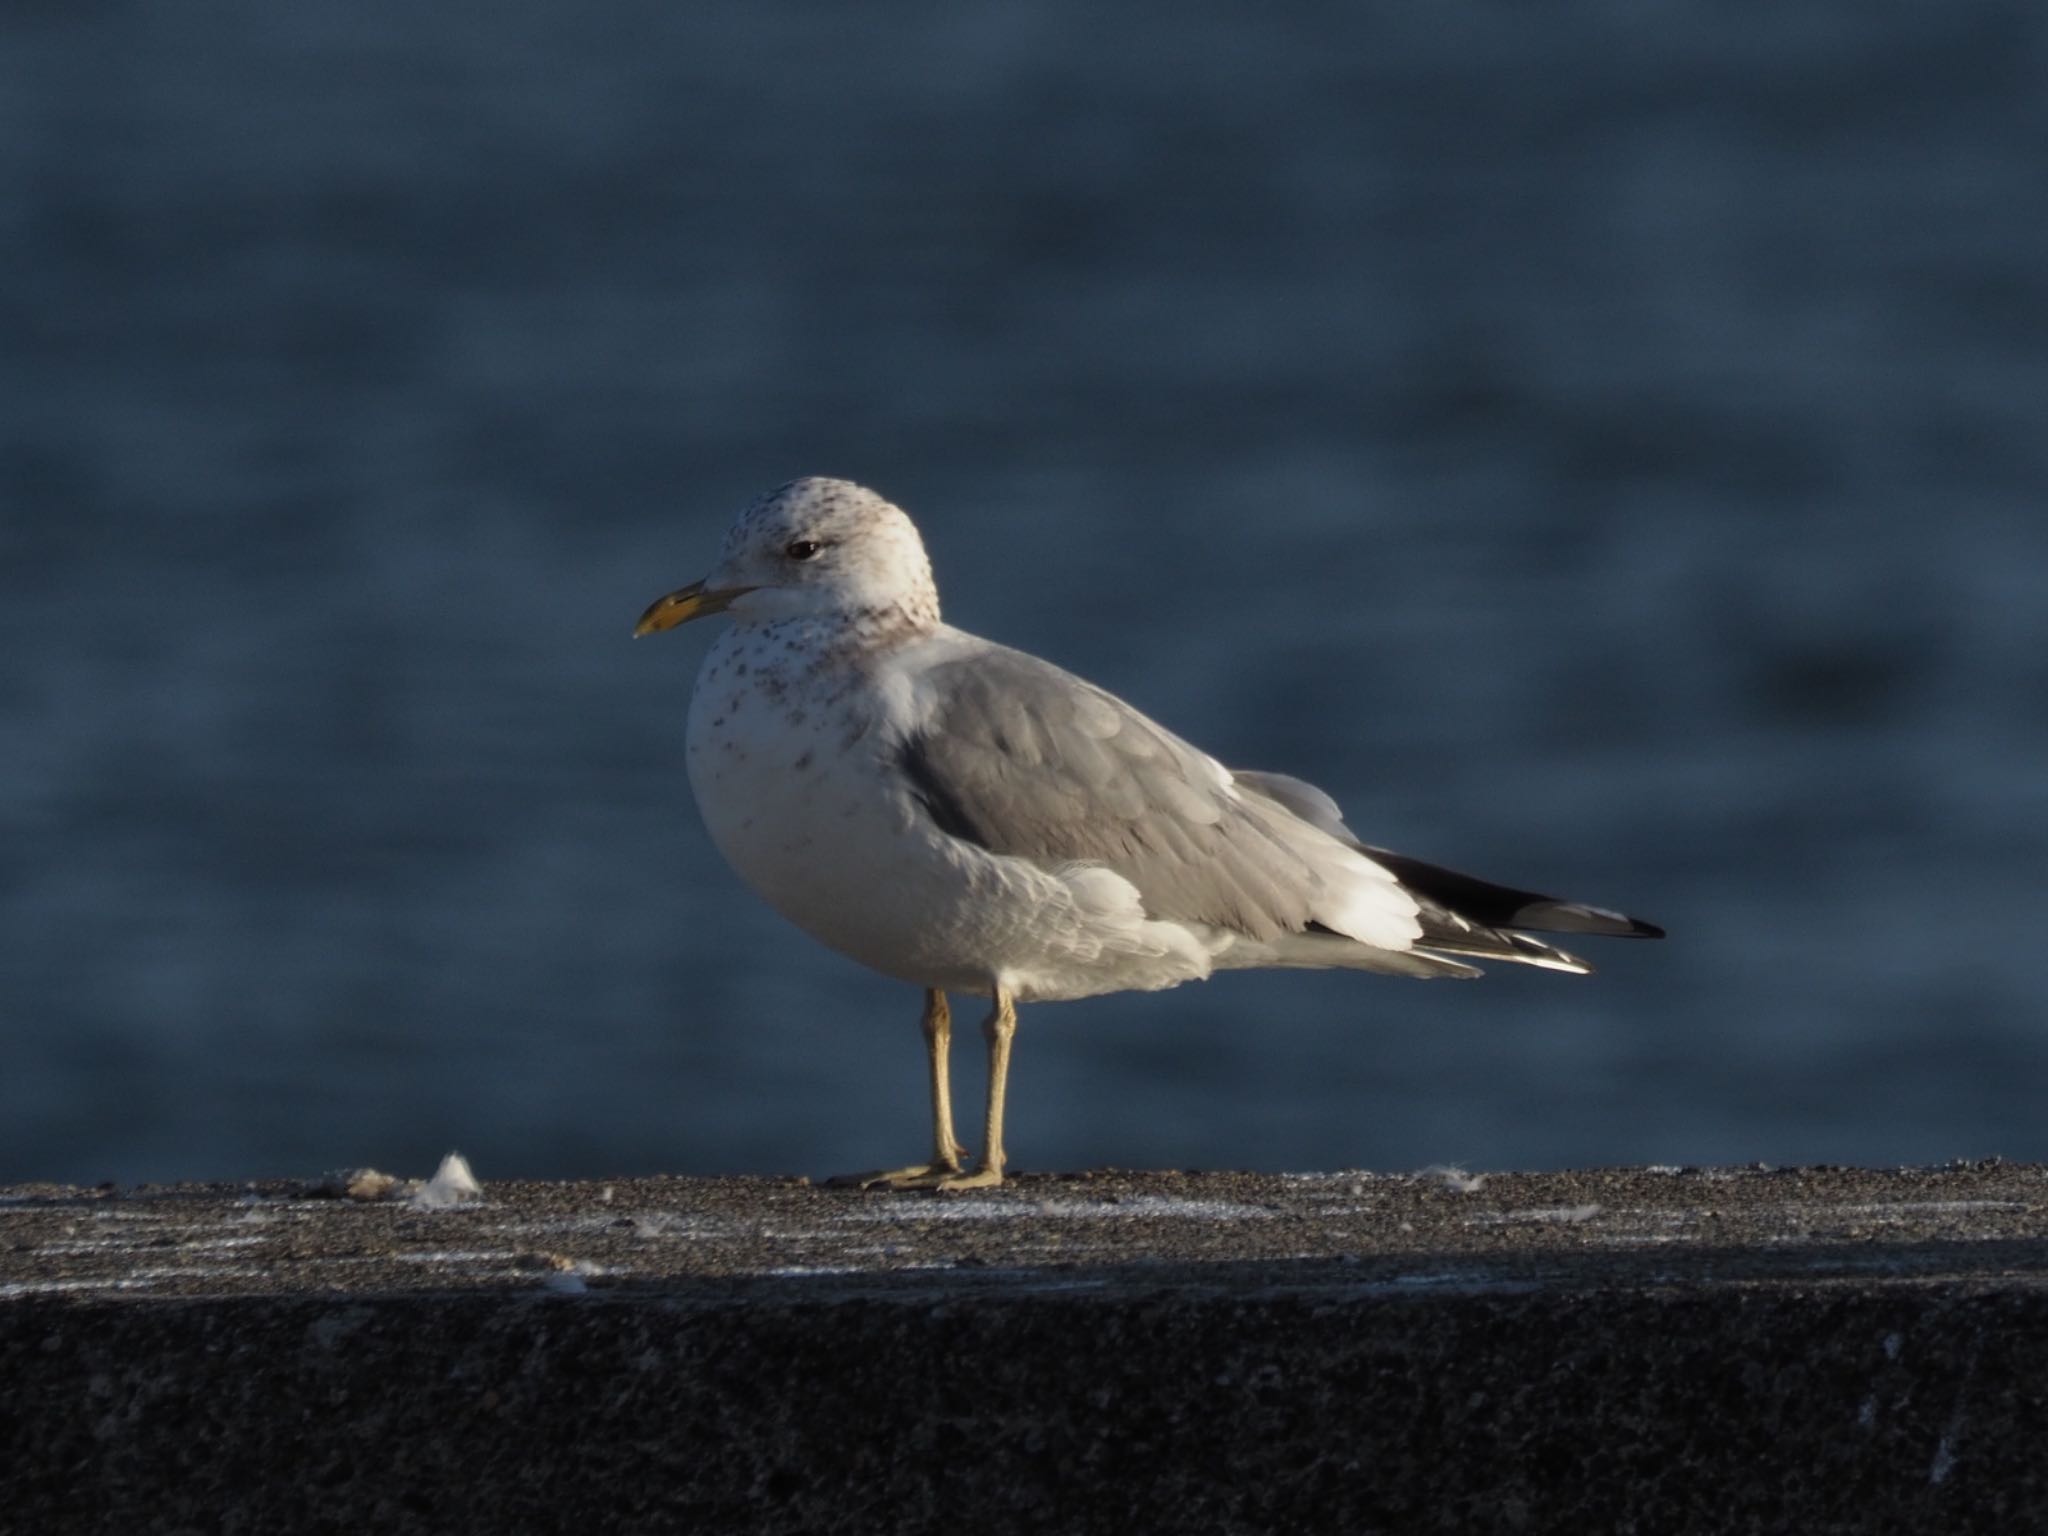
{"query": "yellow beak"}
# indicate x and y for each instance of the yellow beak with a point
(685, 604)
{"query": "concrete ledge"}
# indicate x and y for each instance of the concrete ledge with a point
(1724, 1350)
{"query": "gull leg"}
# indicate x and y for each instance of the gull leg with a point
(946, 1152)
(938, 1040)
(988, 1173)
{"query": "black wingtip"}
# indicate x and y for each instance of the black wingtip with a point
(1502, 906)
(1576, 917)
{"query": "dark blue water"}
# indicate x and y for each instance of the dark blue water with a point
(1602, 445)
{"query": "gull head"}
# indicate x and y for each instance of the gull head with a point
(814, 548)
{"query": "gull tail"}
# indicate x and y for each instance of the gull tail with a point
(1502, 906)
(1461, 914)
(1464, 915)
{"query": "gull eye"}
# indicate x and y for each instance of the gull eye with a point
(802, 549)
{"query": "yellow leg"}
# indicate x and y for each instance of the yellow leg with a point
(938, 1042)
(946, 1152)
(988, 1173)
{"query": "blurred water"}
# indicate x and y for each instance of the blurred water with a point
(1601, 445)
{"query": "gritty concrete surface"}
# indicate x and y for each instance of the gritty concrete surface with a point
(1649, 1350)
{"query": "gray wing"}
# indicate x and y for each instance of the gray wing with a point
(1030, 761)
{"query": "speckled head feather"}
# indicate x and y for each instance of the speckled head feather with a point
(827, 548)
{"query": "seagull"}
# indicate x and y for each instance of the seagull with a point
(970, 818)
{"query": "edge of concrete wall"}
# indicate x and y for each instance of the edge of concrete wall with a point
(1530, 1374)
